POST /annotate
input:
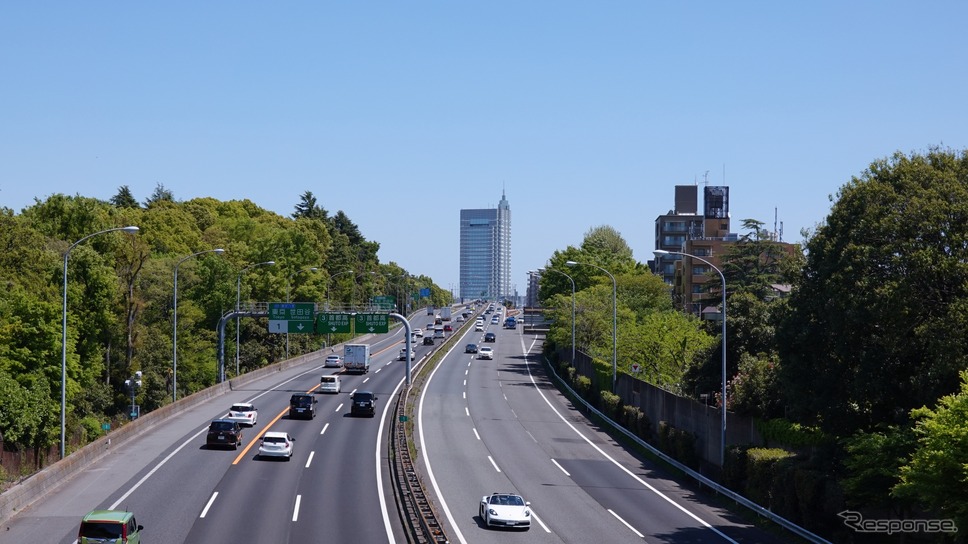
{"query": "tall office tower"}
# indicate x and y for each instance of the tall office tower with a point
(485, 252)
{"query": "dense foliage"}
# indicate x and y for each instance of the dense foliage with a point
(120, 299)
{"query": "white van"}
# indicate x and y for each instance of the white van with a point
(438, 332)
(329, 384)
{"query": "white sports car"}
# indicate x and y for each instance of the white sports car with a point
(243, 413)
(506, 510)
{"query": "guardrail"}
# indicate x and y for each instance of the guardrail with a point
(715, 486)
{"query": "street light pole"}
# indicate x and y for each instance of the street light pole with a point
(541, 270)
(722, 438)
(614, 319)
(174, 326)
(63, 414)
(238, 303)
(288, 285)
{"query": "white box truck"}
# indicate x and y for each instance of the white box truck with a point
(356, 358)
(445, 313)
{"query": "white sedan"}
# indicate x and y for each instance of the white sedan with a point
(334, 361)
(485, 352)
(505, 509)
(243, 413)
(418, 333)
(276, 444)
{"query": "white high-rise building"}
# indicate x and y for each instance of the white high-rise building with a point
(485, 252)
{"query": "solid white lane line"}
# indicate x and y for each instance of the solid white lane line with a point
(208, 505)
(618, 517)
(493, 463)
(310, 460)
(618, 465)
(543, 526)
(561, 468)
(325, 427)
(295, 510)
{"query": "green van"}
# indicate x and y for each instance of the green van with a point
(109, 526)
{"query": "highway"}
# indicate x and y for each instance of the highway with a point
(335, 486)
(500, 426)
(485, 426)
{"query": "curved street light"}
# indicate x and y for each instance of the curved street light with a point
(543, 270)
(614, 319)
(722, 437)
(288, 285)
(174, 325)
(238, 303)
(67, 254)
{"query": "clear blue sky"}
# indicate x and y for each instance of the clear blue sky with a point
(402, 113)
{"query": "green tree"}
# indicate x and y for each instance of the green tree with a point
(124, 198)
(160, 194)
(937, 474)
(309, 209)
(878, 321)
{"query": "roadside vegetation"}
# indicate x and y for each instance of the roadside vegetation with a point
(120, 300)
(858, 380)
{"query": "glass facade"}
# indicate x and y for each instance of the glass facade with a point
(485, 252)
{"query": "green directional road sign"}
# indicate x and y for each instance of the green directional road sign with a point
(384, 302)
(372, 323)
(293, 317)
(332, 322)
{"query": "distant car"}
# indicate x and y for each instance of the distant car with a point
(334, 360)
(506, 510)
(459, 319)
(276, 444)
(495, 320)
(430, 327)
(244, 413)
(329, 384)
(490, 337)
(224, 433)
(102, 526)
(302, 405)
(479, 327)
(403, 355)
(418, 333)
(485, 353)
(428, 340)
(470, 348)
(448, 328)
(363, 403)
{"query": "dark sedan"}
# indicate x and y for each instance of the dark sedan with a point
(470, 348)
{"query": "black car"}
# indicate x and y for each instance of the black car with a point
(490, 337)
(470, 348)
(224, 433)
(428, 340)
(302, 405)
(363, 403)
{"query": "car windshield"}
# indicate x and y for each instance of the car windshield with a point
(221, 426)
(100, 529)
(238, 408)
(302, 401)
(507, 500)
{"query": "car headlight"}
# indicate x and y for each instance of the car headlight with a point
(492, 511)
(527, 513)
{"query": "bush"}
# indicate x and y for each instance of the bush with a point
(762, 472)
(782, 432)
(582, 385)
(636, 422)
(679, 444)
(610, 404)
(734, 467)
(91, 426)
